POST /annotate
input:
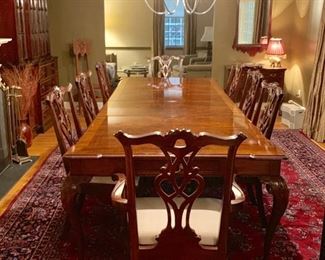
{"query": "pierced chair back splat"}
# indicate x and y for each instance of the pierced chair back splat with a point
(104, 81)
(234, 87)
(177, 223)
(65, 134)
(266, 112)
(87, 98)
(251, 92)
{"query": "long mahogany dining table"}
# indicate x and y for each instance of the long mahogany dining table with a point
(139, 105)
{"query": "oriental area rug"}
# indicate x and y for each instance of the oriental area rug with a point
(32, 226)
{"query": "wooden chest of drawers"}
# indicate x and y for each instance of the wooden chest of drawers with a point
(274, 75)
(270, 74)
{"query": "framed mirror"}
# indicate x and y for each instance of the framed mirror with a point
(253, 27)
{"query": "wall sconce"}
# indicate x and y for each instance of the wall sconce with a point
(275, 52)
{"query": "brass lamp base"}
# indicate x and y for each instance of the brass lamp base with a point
(275, 61)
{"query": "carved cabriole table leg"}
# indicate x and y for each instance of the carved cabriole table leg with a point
(276, 186)
(72, 199)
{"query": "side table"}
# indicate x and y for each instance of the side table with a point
(136, 70)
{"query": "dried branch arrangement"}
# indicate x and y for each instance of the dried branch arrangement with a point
(27, 78)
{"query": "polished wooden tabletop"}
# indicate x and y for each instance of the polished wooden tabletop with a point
(199, 104)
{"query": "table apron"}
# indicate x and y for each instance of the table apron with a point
(107, 166)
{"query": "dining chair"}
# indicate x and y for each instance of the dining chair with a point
(68, 91)
(86, 97)
(267, 111)
(251, 92)
(81, 50)
(267, 108)
(235, 86)
(247, 104)
(230, 78)
(237, 79)
(176, 222)
(162, 65)
(64, 131)
(72, 196)
(104, 81)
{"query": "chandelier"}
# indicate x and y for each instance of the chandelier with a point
(189, 8)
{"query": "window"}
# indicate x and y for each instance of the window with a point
(174, 26)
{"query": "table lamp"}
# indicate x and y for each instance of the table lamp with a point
(275, 52)
(208, 37)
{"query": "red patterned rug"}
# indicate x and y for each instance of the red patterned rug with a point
(31, 228)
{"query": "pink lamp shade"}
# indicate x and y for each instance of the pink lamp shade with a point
(275, 47)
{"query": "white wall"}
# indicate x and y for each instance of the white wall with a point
(128, 23)
(202, 21)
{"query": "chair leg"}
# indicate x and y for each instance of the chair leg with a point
(260, 203)
(76, 218)
(255, 194)
(250, 192)
(72, 201)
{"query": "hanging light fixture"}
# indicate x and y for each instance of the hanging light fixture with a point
(189, 8)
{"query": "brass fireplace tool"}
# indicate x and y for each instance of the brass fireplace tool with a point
(18, 146)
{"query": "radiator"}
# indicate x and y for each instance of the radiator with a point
(292, 114)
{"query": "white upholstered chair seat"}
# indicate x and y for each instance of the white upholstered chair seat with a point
(102, 179)
(204, 219)
(108, 180)
(239, 195)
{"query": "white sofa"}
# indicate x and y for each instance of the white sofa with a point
(193, 66)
